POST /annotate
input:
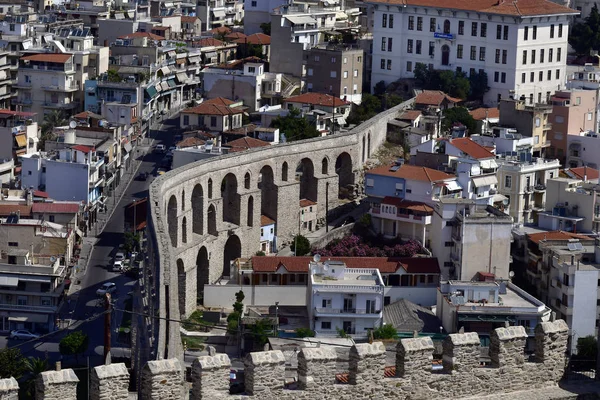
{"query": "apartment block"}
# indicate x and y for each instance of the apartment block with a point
(529, 120)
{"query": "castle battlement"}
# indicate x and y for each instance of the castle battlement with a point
(461, 375)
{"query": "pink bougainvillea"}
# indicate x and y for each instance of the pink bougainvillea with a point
(353, 246)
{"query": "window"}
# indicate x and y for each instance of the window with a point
(558, 74)
(549, 75)
(333, 60)
(419, 45)
(431, 24)
(552, 31)
(333, 74)
(532, 78)
(497, 56)
(384, 21)
(409, 66)
(473, 28)
(523, 77)
(558, 54)
(526, 33)
(560, 30)
(419, 23)
(383, 63)
(448, 244)
(13, 244)
(317, 58)
(213, 121)
(345, 74)
(498, 32)
(504, 56)
(411, 23)
(22, 300)
(534, 32)
(503, 77)
(541, 56)
(505, 37)
(550, 55)
(524, 57)
(496, 76)
(533, 56)
(383, 43)
(186, 120)
(325, 325)
(508, 181)
(27, 79)
(461, 27)
(459, 51)
(262, 232)
(389, 64)
(391, 21)
(431, 48)
(409, 46)
(446, 26)
(483, 30)
(390, 44)
(541, 74)
(254, 4)
(473, 52)
(51, 218)
(355, 73)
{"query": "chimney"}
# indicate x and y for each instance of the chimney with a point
(29, 197)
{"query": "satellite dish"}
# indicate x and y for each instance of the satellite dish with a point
(511, 274)
(163, 43)
(325, 267)
(102, 123)
(317, 257)
(72, 124)
(52, 259)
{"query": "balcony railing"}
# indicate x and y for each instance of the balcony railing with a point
(18, 307)
(361, 311)
(539, 188)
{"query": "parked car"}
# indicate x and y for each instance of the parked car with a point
(161, 171)
(119, 256)
(142, 176)
(117, 266)
(22, 334)
(160, 148)
(108, 287)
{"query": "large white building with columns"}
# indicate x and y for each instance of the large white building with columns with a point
(521, 45)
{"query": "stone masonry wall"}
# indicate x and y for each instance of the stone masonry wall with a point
(265, 372)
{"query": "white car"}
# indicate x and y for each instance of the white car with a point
(160, 148)
(117, 266)
(108, 287)
(119, 257)
(23, 335)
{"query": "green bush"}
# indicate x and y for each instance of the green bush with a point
(303, 245)
(74, 343)
(385, 332)
(304, 332)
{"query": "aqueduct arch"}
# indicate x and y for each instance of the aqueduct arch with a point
(198, 210)
(231, 199)
(231, 251)
(309, 185)
(268, 192)
(343, 168)
(172, 220)
(202, 271)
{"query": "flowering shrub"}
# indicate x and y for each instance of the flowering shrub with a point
(353, 246)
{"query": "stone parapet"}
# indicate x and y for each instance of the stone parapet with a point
(414, 357)
(265, 371)
(507, 346)
(210, 376)
(367, 362)
(56, 385)
(162, 380)
(315, 366)
(9, 389)
(109, 382)
(461, 352)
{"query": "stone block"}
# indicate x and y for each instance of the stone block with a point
(56, 385)
(507, 346)
(9, 389)
(265, 371)
(210, 376)
(551, 340)
(316, 367)
(367, 363)
(461, 352)
(162, 380)
(414, 357)
(109, 382)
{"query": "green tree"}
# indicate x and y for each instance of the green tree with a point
(51, 120)
(587, 347)
(131, 241)
(304, 332)
(458, 114)
(479, 85)
(303, 245)
(368, 108)
(75, 343)
(261, 330)
(385, 332)
(295, 127)
(266, 28)
(12, 363)
(113, 76)
(454, 83)
(585, 36)
(422, 74)
(379, 89)
(35, 366)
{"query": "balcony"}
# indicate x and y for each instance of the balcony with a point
(61, 105)
(319, 311)
(528, 189)
(17, 307)
(568, 290)
(23, 101)
(566, 310)
(70, 87)
(539, 188)
(547, 127)
(22, 85)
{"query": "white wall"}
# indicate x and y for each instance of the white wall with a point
(584, 305)
(424, 296)
(224, 296)
(589, 150)
(67, 181)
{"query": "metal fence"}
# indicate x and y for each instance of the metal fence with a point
(580, 370)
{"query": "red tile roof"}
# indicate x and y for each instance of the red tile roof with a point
(256, 39)
(135, 35)
(581, 172)
(471, 148)
(216, 106)
(307, 203)
(412, 172)
(58, 58)
(410, 115)
(482, 113)
(434, 98)
(83, 148)
(413, 265)
(264, 220)
(208, 42)
(556, 235)
(317, 99)
(221, 30)
(407, 204)
(58, 207)
(8, 209)
(245, 143)
(16, 113)
(512, 8)
(188, 19)
(190, 142)
(39, 193)
(219, 100)
(235, 35)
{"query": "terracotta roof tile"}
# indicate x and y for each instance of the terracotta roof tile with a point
(471, 148)
(407, 204)
(255, 38)
(318, 99)
(581, 172)
(135, 35)
(185, 18)
(412, 172)
(235, 35)
(556, 235)
(40, 193)
(8, 209)
(502, 7)
(245, 143)
(307, 203)
(264, 220)
(434, 98)
(83, 148)
(57, 207)
(482, 113)
(58, 58)
(190, 142)
(410, 115)
(207, 42)
(221, 30)
(217, 106)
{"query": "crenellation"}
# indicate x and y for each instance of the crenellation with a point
(315, 366)
(9, 389)
(210, 376)
(507, 346)
(109, 382)
(265, 371)
(162, 380)
(56, 385)
(461, 352)
(414, 357)
(367, 362)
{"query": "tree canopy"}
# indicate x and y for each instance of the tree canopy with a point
(303, 245)
(453, 83)
(75, 343)
(585, 36)
(12, 363)
(266, 28)
(458, 115)
(295, 127)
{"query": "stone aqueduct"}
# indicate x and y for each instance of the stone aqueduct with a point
(205, 214)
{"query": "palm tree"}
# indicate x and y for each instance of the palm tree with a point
(35, 366)
(51, 120)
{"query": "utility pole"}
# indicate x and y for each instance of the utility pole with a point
(326, 206)
(107, 332)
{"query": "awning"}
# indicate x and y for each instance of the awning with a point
(11, 281)
(486, 318)
(340, 15)
(194, 60)
(78, 232)
(165, 70)
(29, 318)
(210, 54)
(127, 147)
(21, 140)
(151, 90)
(452, 186)
(301, 19)
(487, 180)
(35, 278)
(171, 82)
(499, 197)
(219, 13)
(488, 164)
(181, 77)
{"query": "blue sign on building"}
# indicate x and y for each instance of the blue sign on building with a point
(439, 35)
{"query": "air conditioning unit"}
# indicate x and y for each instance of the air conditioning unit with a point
(553, 283)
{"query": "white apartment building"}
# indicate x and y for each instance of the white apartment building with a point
(522, 46)
(257, 12)
(583, 149)
(350, 299)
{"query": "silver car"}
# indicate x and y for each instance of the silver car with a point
(22, 334)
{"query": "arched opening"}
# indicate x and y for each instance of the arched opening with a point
(202, 273)
(247, 181)
(369, 145)
(172, 220)
(305, 173)
(181, 285)
(325, 166)
(231, 251)
(268, 193)
(446, 26)
(212, 220)
(198, 210)
(231, 199)
(445, 55)
(183, 200)
(184, 230)
(343, 168)
(250, 221)
(210, 188)
(364, 148)
(284, 172)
